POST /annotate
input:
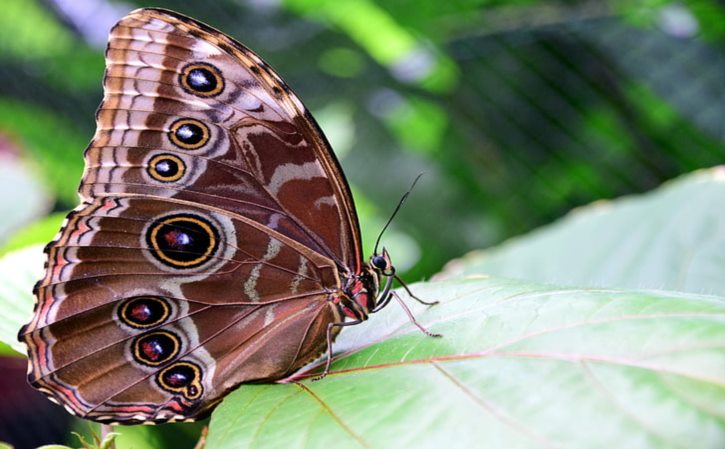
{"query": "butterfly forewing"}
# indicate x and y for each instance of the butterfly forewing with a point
(214, 233)
(258, 152)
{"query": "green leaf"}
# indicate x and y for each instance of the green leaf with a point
(671, 239)
(19, 270)
(107, 442)
(519, 366)
(42, 231)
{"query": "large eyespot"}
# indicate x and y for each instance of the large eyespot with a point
(156, 348)
(182, 240)
(143, 312)
(181, 377)
(189, 134)
(166, 167)
(201, 79)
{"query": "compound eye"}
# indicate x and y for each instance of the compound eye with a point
(380, 263)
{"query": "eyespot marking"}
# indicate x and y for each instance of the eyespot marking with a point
(182, 240)
(181, 377)
(156, 348)
(143, 312)
(166, 167)
(189, 134)
(201, 79)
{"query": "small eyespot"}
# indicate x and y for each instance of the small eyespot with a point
(166, 168)
(201, 79)
(189, 134)
(143, 312)
(156, 348)
(181, 377)
(182, 240)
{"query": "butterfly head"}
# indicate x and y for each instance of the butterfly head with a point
(381, 264)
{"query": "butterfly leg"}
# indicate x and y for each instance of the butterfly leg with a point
(407, 289)
(328, 362)
(412, 318)
(379, 306)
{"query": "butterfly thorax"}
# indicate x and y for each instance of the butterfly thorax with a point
(359, 294)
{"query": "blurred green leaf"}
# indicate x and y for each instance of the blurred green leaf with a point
(385, 40)
(342, 62)
(671, 238)
(27, 29)
(42, 231)
(369, 25)
(79, 68)
(138, 437)
(6, 350)
(418, 123)
(710, 15)
(23, 196)
(56, 149)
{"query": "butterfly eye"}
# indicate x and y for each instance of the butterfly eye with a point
(189, 134)
(201, 79)
(380, 263)
(166, 168)
(182, 241)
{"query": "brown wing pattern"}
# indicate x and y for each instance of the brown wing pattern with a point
(214, 229)
(265, 158)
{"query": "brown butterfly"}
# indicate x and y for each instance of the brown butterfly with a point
(216, 243)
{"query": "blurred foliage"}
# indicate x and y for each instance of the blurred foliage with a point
(517, 111)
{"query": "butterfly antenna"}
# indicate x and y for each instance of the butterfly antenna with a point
(397, 208)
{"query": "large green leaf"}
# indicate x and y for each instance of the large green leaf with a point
(519, 366)
(672, 238)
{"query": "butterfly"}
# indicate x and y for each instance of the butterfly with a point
(216, 242)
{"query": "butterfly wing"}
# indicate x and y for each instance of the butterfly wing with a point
(214, 229)
(247, 145)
